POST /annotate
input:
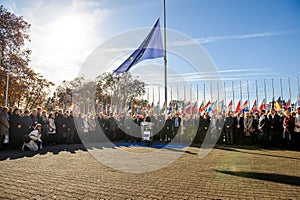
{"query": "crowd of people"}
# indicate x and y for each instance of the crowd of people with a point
(31, 130)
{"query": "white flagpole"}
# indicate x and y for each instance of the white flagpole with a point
(248, 95)
(233, 103)
(281, 95)
(256, 88)
(165, 58)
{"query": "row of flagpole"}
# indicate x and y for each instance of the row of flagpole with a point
(225, 98)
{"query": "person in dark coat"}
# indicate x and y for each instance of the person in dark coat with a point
(176, 125)
(168, 129)
(238, 128)
(70, 126)
(263, 127)
(274, 122)
(228, 128)
(16, 137)
(26, 123)
(35, 118)
(60, 126)
(112, 126)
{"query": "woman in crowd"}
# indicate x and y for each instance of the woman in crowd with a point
(34, 142)
(51, 129)
(16, 137)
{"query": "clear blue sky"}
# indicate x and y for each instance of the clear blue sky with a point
(250, 34)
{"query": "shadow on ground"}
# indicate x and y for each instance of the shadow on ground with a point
(278, 178)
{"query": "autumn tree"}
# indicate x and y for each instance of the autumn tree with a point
(26, 87)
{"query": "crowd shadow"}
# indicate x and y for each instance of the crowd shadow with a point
(257, 151)
(278, 178)
(54, 149)
(10, 154)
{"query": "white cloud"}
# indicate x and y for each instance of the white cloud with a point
(212, 39)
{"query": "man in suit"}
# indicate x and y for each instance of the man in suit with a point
(238, 128)
(228, 128)
(274, 122)
(176, 125)
(263, 127)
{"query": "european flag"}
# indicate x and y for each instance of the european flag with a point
(152, 47)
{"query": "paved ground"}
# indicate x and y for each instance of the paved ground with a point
(70, 172)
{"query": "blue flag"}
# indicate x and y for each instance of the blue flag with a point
(152, 47)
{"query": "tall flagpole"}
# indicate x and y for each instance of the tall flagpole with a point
(265, 89)
(290, 92)
(211, 94)
(248, 95)
(191, 93)
(153, 95)
(241, 92)
(204, 93)
(165, 57)
(225, 94)
(298, 86)
(233, 104)
(177, 93)
(273, 93)
(281, 96)
(197, 92)
(256, 90)
(184, 94)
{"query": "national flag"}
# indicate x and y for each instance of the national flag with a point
(254, 107)
(297, 103)
(220, 105)
(176, 106)
(188, 108)
(201, 105)
(157, 108)
(170, 108)
(278, 104)
(288, 104)
(262, 105)
(151, 47)
(205, 107)
(238, 107)
(195, 108)
(229, 107)
(244, 105)
(215, 107)
(182, 108)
